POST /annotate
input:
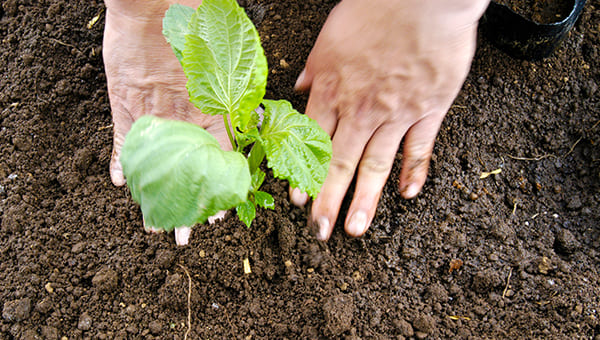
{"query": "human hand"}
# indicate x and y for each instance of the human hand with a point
(381, 71)
(145, 78)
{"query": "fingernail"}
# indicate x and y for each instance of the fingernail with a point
(298, 197)
(116, 177)
(324, 227)
(149, 228)
(116, 170)
(300, 79)
(410, 190)
(357, 224)
(182, 235)
(218, 216)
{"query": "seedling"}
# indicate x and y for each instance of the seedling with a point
(177, 171)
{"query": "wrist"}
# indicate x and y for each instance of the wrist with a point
(145, 9)
(444, 10)
(467, 10)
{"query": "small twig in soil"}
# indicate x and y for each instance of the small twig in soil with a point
(105, 127)
(539, 158)
(65, 44)
(93, 21)
(13, 105)
(487, 174)
(459, 317)
(189, 298)
(580, 138)
(507, 283)
(246, 263)
(573, 146)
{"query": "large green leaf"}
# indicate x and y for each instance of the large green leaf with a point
(224, 62)
(178, 173)
(175, 25)
(296, 147)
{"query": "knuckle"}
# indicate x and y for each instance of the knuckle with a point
(419, 147)
(417, 164)
(341, 167)
(375, 166)
(366, 119)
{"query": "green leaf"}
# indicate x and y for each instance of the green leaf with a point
(258, 177)
(297, 149)
(224, 62)
(256, 155)
(264, 199)
(175, 25)
(178, 173)
(246, 212)
(244, 139)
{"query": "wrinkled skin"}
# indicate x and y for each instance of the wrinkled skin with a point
(145, 77)
(380, 71)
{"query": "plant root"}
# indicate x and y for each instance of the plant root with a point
(189, 298)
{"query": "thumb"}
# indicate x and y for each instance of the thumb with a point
(120, 129)
(304, 81)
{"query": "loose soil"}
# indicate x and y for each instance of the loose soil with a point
(513, 255)
(541, 11)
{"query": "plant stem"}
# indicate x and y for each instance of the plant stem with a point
(255, 157)
(228, 128)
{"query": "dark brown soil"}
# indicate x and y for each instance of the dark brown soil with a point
(541, 11)
(75, 262)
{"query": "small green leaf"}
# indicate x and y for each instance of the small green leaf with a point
(297, 149)
(256, 156)
(224, 62)
(246, 212)
(258, 177)
(178, 173)
(264, 199)
(175, 25)
(244, 139)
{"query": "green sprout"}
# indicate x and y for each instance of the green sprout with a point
(177, 171)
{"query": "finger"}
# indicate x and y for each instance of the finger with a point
(216, 217)
(116, 170)
(418, 146)
(149, 228)
(303, 82)
(373, 171)
(348, 143)
(319, 108)
(182, 235)
(120, 128)
(320, 105)
(298, 197)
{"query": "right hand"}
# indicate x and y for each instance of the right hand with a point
(383, 71)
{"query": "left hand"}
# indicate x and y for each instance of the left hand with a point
(145, 78)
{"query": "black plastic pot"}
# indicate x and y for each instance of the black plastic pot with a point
(523, 38)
